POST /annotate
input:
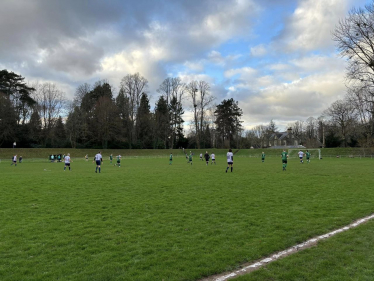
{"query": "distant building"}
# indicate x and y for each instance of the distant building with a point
(283, 139)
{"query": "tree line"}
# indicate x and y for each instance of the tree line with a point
(39, 115)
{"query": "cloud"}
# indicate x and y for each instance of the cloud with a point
(228, 20)
(311, 24)
(258, 51)
(216, 58)
(80, 41)
(245, 73)
(297, 100)
(115, 67)
(74, 57)
(195, 66)
(314, 82)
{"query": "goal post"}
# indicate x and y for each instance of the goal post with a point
(314, 153)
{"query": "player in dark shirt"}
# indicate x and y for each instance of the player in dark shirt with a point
(206, 156)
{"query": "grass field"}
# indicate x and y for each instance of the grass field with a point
(152, 221)
(348, 256)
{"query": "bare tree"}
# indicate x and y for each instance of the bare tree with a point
(201, 98)
(50, 104)
(342, 114)
(192, 93)
(322, 130)
(297, 129)
(354, 37)
(80, 92)
(133, 86)
(173, 90)
(363, 102)
(311, 132)
(205, 100)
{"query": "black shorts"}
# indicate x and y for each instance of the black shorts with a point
(301, 158)
(230, 163)
(213, 160)
(98, 162)
(284, 161)
(67, 164)
(15, 162)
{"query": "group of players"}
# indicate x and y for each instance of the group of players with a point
(284, 156)
(230, 159)
(98, 159)
(14, 160)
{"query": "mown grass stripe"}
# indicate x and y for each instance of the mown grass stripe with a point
(282, 254)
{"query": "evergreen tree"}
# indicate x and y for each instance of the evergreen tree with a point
(74, 126)
(176, 121)
(59, 133)
(143, 123)
(105, 121)
(13, 86)
(35, 128)
(101, 89)
(91, 133)
(228, 121)
(207, 137)
(161, 123)
(122, 103)
(8, 121)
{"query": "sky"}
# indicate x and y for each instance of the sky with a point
(275, 57)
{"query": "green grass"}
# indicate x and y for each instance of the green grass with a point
(151, 221)
(347, 256)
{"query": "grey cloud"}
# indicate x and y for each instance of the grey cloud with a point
(77, 57)
(27, 27)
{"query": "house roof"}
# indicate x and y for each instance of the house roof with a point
(278, 135)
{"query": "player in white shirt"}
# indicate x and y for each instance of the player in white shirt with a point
(14, 160)
(230, 160)
(67, 161)
(213, 156)
(201, 156)
(98, 159)
(301, 155)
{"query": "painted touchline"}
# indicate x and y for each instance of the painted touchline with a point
(294, 249)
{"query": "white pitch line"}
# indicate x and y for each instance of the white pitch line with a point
(287, 252)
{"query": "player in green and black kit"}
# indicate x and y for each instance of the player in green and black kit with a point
(284, 159)
(307, 156)
(171, 159)
(190, 159)
(111, 158)
(119, 160)
(263, 156)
